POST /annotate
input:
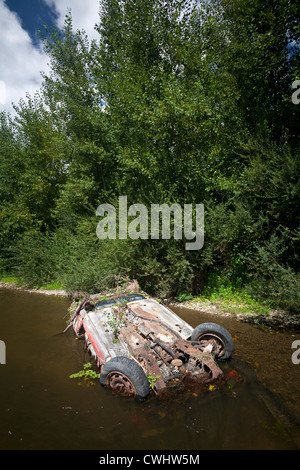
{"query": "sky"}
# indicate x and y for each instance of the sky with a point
(21, 56)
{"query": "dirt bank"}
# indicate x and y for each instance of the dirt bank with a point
(56, 292)
(274, 318)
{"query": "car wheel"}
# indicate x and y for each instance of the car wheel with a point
(216, 336)
(125, 377)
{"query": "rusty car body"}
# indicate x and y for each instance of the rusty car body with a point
(140, 345)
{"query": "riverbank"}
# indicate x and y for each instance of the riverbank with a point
(56, 292)
(219, 308)
(269, 317)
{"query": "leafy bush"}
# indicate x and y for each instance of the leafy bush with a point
(272, 279)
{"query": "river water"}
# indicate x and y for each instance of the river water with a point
(42, 408)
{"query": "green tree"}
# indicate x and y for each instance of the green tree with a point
(179, 101)
(258, 43)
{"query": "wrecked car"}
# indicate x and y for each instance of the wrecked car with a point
(140, 345)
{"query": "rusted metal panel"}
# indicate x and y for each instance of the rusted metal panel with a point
(141, 351)
(153, 311)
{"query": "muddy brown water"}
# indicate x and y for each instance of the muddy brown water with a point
(42, 408)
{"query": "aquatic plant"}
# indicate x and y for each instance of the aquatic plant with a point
(87, 374)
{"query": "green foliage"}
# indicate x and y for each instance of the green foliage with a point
(272, 278)
(152, 379)
(184, 296)
(234, 296)
(179, 101)
(115, 322)
(32, 259)
(87, 374)
(10, 279)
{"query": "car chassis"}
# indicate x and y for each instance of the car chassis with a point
(140, 344)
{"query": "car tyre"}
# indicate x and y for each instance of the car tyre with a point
(125, 377)
(217, 335)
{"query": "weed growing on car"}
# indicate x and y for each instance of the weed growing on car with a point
(152, 380)
(116, 319)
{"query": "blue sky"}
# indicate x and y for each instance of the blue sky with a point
(33, 14)
(21, 56)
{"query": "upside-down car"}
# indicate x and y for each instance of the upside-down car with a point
(140, 345)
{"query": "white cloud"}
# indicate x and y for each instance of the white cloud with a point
(20, 62)
(85, 14)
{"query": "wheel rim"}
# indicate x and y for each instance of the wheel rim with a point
(218, 347)
(120, 384)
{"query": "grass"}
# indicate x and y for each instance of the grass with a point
(10, 280)
(229, 298)
(52, 286)
(17, 281)
(238, 301)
